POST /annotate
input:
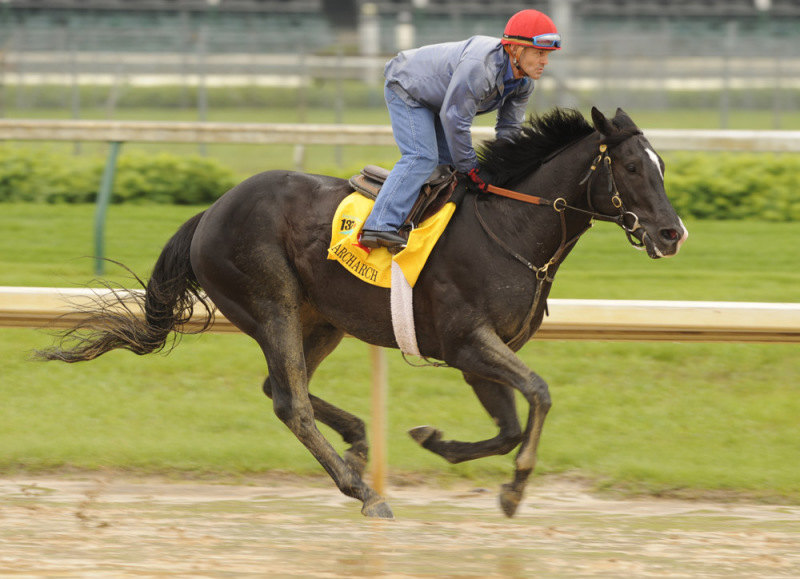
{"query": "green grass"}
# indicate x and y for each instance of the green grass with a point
(647, 416)
(722, 261)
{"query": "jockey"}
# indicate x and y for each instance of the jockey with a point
(433, 94)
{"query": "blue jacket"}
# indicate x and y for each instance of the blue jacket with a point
(459, 80)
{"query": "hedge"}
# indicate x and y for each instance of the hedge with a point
(735, 185)
(48, 177)
(700, 185)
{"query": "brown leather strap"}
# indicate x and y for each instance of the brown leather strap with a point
(532, 199)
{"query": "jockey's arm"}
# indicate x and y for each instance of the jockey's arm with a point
(468, 87)
(511, 114)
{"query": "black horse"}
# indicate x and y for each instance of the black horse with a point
(259, 254)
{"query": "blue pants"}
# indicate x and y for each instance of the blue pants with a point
(423, 146)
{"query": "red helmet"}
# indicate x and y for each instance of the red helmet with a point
(532, 28)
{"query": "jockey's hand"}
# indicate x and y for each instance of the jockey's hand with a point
(479, 178)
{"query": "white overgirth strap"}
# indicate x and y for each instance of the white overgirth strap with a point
(402, 305)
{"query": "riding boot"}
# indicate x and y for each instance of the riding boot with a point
(391, 240)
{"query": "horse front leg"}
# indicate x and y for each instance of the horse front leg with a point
(537, 394)
(498, 400)
(489, 357)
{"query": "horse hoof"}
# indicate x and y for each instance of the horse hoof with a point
(378, 509)
(509, 500)
(424, 434)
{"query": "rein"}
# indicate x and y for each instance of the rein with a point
(560, 206)
(541, 273)
(560, 203)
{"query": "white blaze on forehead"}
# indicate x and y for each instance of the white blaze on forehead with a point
(653, 157)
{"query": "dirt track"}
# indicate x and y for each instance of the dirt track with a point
(109, 526)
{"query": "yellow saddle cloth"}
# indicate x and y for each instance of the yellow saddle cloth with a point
(375, 265)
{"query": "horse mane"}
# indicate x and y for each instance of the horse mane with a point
(509, 161)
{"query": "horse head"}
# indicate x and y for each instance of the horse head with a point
(627, 182)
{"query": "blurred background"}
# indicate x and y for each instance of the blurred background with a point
(83, 58)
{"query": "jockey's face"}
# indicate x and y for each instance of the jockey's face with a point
(532, 61)
(529, 61)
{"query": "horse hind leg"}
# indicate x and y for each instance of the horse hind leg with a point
(268, 308)
(498, 400)
(289, 374)
(292, 405)
(318, 343)
(350, 427)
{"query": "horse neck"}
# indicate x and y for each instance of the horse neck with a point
(559, 177)
(562, 174)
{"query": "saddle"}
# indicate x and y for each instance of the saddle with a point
(433, 195)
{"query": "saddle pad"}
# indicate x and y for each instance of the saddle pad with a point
(375, 266)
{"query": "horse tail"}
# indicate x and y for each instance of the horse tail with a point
(139, 321)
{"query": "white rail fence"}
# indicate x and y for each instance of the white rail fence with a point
(341, 134)
(677, 321)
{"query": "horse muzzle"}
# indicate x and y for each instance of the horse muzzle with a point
(659, 241)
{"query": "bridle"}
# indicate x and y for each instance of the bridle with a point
(560, 205)
(604, 159)
(622, 218)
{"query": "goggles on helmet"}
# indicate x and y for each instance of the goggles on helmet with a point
(549, 40)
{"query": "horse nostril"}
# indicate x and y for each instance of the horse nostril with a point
(669, 235)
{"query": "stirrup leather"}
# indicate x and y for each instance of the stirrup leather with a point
(435, 192)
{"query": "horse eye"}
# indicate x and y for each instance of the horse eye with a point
(631, 167)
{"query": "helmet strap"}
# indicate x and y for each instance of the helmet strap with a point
(515, 64)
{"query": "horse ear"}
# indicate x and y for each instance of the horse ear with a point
(601, 123)
(623, 120)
